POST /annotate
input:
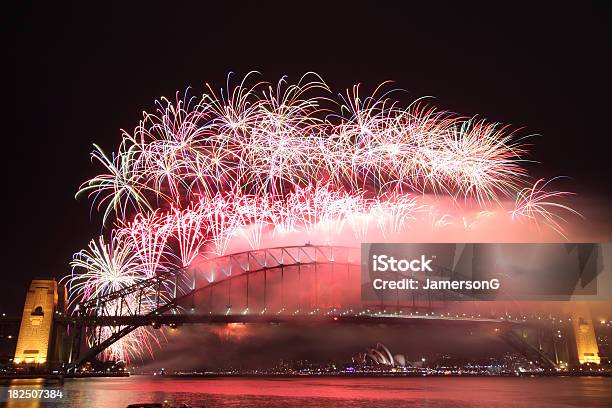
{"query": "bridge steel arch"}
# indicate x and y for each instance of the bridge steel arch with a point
(202, 293)
(168, 292)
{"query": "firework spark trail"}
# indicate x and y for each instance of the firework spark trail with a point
(394, 213)
(119, 189)
(254, 215)
(141, 341)
(537, 205)
(235, 164)
(272, 141)
(188, 228)
(148, 236)
(222, 220)
(103, 268)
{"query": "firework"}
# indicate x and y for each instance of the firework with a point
(269, 142)
(105, 267)
(147, 235)
(253, 160)
(538, 205)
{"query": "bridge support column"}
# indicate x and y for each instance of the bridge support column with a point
(587, 350)
(40, 345)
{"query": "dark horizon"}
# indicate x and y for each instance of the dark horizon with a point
(82, 73)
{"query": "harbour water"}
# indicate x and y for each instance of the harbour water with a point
(430, 392)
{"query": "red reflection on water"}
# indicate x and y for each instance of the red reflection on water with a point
(431, 391)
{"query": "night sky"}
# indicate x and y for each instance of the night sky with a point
(82, 72)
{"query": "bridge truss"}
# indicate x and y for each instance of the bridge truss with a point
(309, 283)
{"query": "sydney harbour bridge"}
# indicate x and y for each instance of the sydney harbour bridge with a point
(308, 284)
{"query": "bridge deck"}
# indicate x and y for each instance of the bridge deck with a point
(377, 318)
